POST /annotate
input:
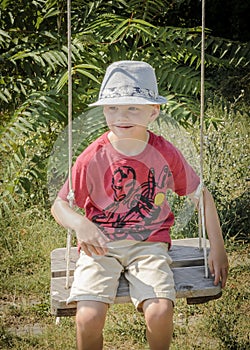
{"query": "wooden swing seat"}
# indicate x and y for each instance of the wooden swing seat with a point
(188, 268)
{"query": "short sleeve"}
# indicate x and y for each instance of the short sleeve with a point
(185, 180)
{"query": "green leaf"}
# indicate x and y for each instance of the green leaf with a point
(3, 97)
(87, 74)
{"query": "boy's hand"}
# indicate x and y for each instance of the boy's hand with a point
(218, 265)
(91, 239)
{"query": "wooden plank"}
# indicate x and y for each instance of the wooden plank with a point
(184, 252)
(58, 261)
(59, 295)
(188, 269)
(189, 282)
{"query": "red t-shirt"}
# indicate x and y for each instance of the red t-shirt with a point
(126, 195)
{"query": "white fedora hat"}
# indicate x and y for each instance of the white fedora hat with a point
(129, 82)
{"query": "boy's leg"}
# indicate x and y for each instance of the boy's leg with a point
(90, 320)
(152, 290)
(159, 321)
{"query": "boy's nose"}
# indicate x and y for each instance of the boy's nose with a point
(123, 114)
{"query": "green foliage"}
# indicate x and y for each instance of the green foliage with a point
(33, 84)
(227, 174)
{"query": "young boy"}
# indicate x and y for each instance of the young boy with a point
(121, 181)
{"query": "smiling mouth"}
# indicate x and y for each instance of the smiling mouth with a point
(124, 126)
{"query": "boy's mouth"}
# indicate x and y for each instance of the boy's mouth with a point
(124, 126)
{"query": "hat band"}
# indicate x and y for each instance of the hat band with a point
(123, 91)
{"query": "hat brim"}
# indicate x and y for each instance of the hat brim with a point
(129, 100)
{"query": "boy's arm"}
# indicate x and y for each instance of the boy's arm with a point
(218, 262)
(90, 238)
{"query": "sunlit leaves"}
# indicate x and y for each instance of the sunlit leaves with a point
(34, 76)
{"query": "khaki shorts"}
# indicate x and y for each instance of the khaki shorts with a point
(146, 267)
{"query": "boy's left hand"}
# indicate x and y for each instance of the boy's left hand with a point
(218, 265)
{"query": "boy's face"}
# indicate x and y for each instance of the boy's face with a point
(130, 120)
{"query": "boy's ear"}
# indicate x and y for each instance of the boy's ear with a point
(155, 112)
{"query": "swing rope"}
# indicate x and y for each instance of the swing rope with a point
(70, 196)
(202, 231)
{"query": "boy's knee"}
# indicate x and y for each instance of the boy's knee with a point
(90, 316)
(157, 311)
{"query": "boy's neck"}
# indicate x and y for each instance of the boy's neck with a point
(129, 146)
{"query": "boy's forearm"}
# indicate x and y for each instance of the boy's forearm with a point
(212, 221)
(65, 215)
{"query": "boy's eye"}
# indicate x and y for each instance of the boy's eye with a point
(129, 108)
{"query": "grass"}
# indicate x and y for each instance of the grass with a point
(26, 322)
(28, 235)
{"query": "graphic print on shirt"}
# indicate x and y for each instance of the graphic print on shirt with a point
(136, 208)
